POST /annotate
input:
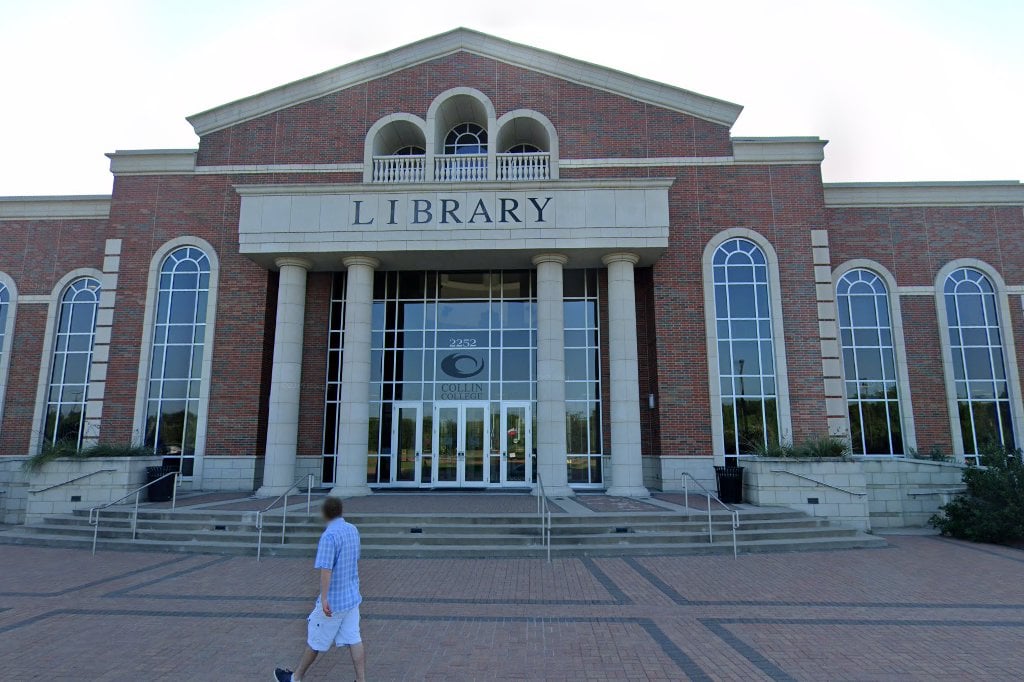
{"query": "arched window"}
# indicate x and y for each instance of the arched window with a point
(72, 357)
(466, 138)
(746, 352)
(524, 148)
(5, 304)
(179, 339)
(869, 364)
(979, 366)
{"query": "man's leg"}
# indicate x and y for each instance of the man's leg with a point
(359, 661)
(308, 657)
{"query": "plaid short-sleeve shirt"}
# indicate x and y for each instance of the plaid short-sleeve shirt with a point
(339, 551)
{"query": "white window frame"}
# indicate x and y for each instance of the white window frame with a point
(778, 337)
(1009, 348)
(7, 343)
(898, 343)
(145, 355)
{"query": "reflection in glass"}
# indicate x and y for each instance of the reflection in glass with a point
(872, 394)
(745, 347)
(177, 356)
(979, 369)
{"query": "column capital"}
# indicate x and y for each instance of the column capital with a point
(559, 258)
(368, 261)
(620, 257)
(295, 261)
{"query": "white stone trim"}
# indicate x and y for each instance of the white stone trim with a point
(146, 347)
(778, 336)
(1009, 348)
(898, 342)
(86, 206)
(982, 193)
(152, 161)
(46, 360)
(8, 341)
(101, 344)
(262, 168)
(435, 136)
(440, 187)
(462, 39)
(761, 150)
(837, 421)
(544, 121)
(371, 138)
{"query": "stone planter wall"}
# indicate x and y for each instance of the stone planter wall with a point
(128, 473)
(778, 482)
(907, 492)
(14, 487)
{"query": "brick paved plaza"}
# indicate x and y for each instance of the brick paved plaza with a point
(924, 608)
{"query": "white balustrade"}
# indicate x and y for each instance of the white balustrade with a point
(397, 169)
(460, 168)
(528, 166)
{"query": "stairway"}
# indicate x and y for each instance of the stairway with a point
(448, 535)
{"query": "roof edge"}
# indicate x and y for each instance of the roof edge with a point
(152, 161)
(517, 54)
(894, 194)
(59, 207)
(778, 149)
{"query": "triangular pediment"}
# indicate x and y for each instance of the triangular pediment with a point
(463, 39)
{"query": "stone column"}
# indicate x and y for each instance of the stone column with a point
(285, 378)
(551, 447)
(354, 409)
(627, 475)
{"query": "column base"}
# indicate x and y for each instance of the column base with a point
(350, 491)
(270, 491)
(555, 491)
(628, 491)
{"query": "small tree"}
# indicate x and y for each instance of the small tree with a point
(992, 508)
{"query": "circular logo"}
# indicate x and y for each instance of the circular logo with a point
(461, 366)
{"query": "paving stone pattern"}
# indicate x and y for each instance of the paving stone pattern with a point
(924, 608)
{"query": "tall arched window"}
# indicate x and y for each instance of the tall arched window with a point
(746, 352)
(5, 304)
(869, 364)
(179, 339)
(466, 138)
(979, 363)
(72, 357)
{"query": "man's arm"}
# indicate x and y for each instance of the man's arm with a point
(325, 586)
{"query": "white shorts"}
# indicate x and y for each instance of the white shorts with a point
(341, 629)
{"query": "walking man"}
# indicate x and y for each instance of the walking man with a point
(335, 618)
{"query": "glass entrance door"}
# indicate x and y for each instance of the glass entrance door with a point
(461, 437)
(406, 443)
(516, 444)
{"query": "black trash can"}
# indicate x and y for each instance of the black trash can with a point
(730, 484)
(164, 490)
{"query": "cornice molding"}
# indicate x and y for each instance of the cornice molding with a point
(894, 194)
(788, 150)
(153, 161)
(82, 207)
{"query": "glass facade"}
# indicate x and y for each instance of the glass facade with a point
(869, 364)
(453, 378)
(746, 352)
(72, 359)
(176, 369)
(979, 367)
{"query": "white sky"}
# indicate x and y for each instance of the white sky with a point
(904, 89)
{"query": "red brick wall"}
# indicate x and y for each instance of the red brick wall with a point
(914, 244)
(314, 363)
(590, 123)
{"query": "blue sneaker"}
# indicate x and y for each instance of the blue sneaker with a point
(282, 675)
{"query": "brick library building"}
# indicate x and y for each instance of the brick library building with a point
(469, 263)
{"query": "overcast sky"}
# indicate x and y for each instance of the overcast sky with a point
(904, 90)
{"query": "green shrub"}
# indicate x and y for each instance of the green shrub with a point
(827, 447)
(992, 508)
(69, 450)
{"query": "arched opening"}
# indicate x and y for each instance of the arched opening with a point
(397, 147)
(525, 147)
(461, 121)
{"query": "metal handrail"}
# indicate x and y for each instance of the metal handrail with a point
(711, 496)
(94, 513)
(284, 511)
(817, 482)
(77, 478)
(544, 515)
